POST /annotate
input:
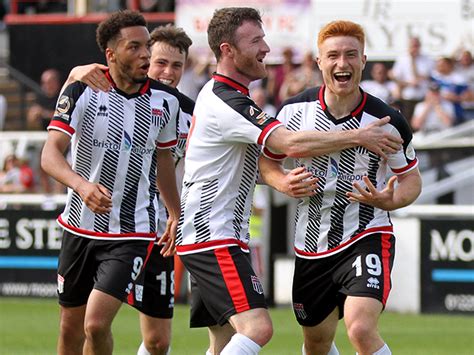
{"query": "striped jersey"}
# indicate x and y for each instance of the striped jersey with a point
(114, 141)
(223, 147)
(186, 108)
(328, 222)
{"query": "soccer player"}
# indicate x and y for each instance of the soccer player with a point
(169, 50)
(120, 139)
(344, 240)
(220, 175)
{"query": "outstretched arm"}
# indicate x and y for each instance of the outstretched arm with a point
(90, 74)
(315, 143)
(297, 183)
(390, 198)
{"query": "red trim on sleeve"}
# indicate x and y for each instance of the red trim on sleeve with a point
(265, 131)
(273, 156)
(406, 168)
(386, 266)
(169, 144)
(58, 125)
(232, 280)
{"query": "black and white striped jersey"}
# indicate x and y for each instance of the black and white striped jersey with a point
(328, 222)
(186, 108)
(223, 146)
(114, 142)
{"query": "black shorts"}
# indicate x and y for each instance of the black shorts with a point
(109, 266)
(363, 269)
(223, 283)
(154, 290)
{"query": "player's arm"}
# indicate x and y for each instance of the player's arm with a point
(297, 183)
(390, 198)
(90, 74)
(314, 143)
(166, 182)
(53, 162)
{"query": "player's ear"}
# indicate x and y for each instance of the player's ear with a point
(226, 49)
(110, 55)
(364, 61)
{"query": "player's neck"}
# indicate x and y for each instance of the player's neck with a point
(123, 83)
(231, 72)
(342, 106)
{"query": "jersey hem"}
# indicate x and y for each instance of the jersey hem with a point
(105, 236)
(308, 255)
(214, 244)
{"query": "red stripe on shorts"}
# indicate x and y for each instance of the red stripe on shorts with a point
(232, 279)
(386, 266)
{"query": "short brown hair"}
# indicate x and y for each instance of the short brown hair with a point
(173, 36)
(109, 29)
(224, 24)
(341, 28)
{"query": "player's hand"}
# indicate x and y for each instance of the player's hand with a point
(375, 139)
(168, 238)
(299, 183)
(96, 197)
(371, 196)
(92, 75)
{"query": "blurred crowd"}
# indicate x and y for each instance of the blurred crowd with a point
(432, 93)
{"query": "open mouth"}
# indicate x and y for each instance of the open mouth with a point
(145, 67)
(343, 77)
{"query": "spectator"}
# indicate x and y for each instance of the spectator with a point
(42, 111)
(380, 86)
(465, 68)
(277, 75)
(259, 96)
(303, 77)
(411, 72)
(434, 113)
(452, 85)
(16, 176)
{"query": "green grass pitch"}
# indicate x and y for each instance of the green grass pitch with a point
(30, 326)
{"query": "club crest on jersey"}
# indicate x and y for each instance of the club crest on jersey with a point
(299, 310)
(257, 286)
(156, 115)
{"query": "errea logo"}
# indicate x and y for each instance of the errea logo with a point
(373, 282)
(102, 111)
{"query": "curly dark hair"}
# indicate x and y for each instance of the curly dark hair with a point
(225, 22)
(109, 29)
(173, 36)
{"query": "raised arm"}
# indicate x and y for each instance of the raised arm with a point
(90, 74)
(53, 162)
(390, 198)
(166, 182)
(315, 143)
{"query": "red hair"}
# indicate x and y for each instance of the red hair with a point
(341, 28)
